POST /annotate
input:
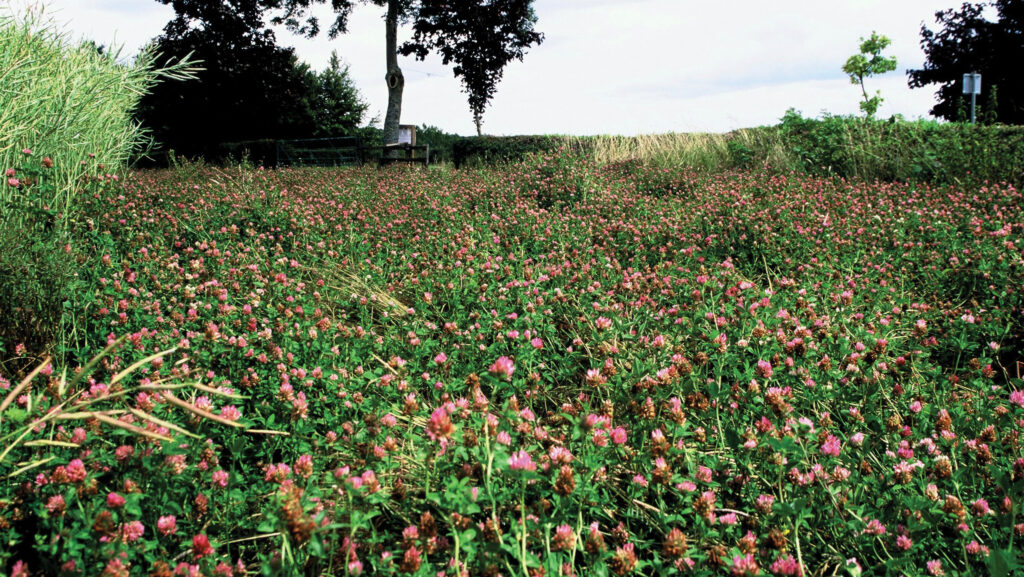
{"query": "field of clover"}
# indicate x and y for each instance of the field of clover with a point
(552, 368)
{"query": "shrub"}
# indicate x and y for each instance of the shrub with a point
(849, 147)
(898, 150)
(482, 150)
(441, 143)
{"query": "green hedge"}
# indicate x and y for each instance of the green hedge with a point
(479, 150)
(441, 143)
(925, 151)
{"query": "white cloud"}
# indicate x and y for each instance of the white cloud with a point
(617, 66)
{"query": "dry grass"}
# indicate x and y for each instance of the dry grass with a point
(69, 403)
(702, 152)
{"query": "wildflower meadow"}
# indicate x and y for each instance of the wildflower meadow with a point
(547, 368)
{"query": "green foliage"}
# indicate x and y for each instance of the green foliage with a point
(481, 150)
(855, 148)
(922, 151)
(338, 108)
(441, 143)
(870, 62)
(249, 91)
(480, 38)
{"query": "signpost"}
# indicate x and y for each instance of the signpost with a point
(972, 86)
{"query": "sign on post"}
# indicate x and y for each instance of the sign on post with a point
(972, 83)
(407, 134)
(972, 86)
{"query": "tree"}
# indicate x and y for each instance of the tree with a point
(249, 88)
(968, 41)
(480, 37)
(338, 108)
(870, 62)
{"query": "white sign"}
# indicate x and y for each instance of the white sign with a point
(405, 135)
(972, 83)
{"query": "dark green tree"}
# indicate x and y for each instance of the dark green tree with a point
(338, 108)
(249, 88)
(968, 41)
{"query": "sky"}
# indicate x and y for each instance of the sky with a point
(612, 66)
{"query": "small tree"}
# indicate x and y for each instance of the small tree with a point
(338, 108)
(870, 62)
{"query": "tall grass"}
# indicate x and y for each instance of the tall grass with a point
(68, 102)
(698, 151)
(65, 116)
(895, 150)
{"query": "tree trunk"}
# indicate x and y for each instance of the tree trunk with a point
(394, 77)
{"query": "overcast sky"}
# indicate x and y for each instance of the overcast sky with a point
(615, 66)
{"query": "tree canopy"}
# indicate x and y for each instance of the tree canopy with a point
(480, 38)
(969, 41)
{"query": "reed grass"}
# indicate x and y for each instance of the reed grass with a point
(68, 102)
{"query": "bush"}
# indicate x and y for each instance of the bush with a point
(481, 150)
(441, 143)
(849, 147)
(898, 150)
